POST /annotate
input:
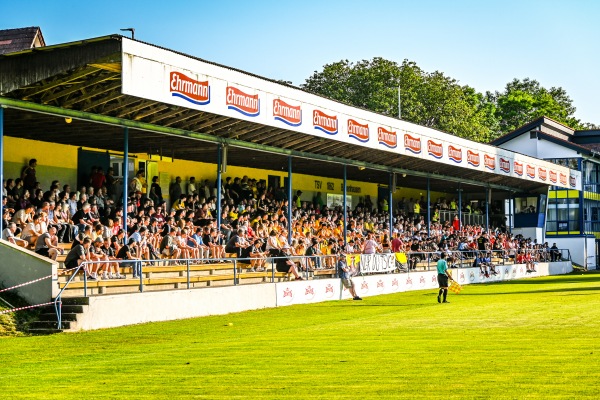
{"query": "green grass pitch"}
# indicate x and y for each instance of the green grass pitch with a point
(529, 339)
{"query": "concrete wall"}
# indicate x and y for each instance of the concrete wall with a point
(126, 309)
(582, 248)
(19, 266)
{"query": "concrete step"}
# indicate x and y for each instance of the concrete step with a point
(52, 316)
(65, 325)
(44, 331)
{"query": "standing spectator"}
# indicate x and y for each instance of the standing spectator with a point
(29, 176)
(345, 275)
(175, 191)
(191, 187)
(156, 192)
(111, 184)
(97, 178)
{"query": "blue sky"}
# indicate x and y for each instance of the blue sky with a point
(484, 44)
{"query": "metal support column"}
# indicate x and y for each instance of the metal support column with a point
(219, 168)
(428, 207)
(459, 206)
(345, 228)
(391, 203)
(581, 205)
(510, 211)
(290, 205)
(2, 163)
(125, 179)
(487, 209)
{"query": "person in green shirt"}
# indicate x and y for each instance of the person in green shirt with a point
(443, 276)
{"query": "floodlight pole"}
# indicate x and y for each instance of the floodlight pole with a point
(345, 227)
(125, 178)
(399, 103)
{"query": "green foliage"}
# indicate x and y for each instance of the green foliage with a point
(524, 101)
(438, 101)
(534, 339)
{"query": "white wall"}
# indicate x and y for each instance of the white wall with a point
(126, 309)
(522, 144)
(18, 266)
(546, 149)
(577, 247)
(533, 233)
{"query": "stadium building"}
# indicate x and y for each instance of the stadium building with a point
(122, 103)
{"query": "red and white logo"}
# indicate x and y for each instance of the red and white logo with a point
(505, 165)
(325, 123)
(387, 138)
(473, 158)
(329, 290)
(489, 162)
(242, 102)
(455, 154)
(530, 171)
(380, 286)
(409, 282)
(542, 173)
(288, 295)
(412, 144)
(309, 293)
(422, 281)
(364, 287)
(573, 180)
(553, 176)
(519, 168)
(395, 283)
(189, 89)
(435, 149)
(291, 115)
(563, 179)
(358, 131)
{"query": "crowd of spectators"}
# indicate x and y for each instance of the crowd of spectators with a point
(254, 225)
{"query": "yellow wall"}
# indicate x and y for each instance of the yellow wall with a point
(57, 161)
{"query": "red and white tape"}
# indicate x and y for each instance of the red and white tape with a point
(24, 308)
(35, 280)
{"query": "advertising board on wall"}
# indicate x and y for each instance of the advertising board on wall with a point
(158, 74)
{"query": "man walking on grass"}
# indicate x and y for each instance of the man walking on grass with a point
(443, 276)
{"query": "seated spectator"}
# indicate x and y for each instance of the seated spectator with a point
(128, 253)
(113, 267)
(32, 231)
(555, 254)
(99, 258)
(47, 244)
(8, 234)
(285, 264)
(168, 248)
(78, 255)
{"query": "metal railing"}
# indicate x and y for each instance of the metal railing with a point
(308, 265)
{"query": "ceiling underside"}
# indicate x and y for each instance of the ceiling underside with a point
(87, 77)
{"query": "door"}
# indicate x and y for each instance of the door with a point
(85, 161)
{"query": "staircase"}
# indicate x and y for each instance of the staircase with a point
(72, 308)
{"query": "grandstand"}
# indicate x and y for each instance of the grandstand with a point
(104, 139)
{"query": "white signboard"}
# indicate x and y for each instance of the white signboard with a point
(167, 77)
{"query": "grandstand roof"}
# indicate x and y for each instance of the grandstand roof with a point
(85, 80)
(13, 40)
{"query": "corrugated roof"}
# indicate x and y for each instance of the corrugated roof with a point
(12, 40)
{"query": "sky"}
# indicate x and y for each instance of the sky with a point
(483, 44)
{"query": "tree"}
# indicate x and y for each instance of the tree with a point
(430, 99)
(524, 101)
